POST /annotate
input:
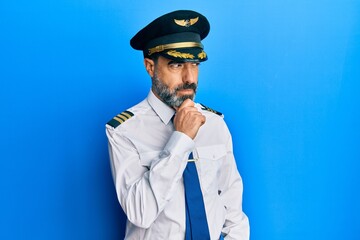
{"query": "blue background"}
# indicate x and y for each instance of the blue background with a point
(285, 73)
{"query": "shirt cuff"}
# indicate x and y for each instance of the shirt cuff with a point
(179, 144)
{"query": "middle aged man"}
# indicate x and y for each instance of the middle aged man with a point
(172, 160)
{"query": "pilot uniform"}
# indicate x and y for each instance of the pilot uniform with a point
(148, 158)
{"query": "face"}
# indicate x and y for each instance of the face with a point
(173, 82)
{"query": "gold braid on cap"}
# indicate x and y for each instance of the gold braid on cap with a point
(176, 54)
(202, 55)
(163, 47)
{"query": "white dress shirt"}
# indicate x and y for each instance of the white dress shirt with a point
(148, 158)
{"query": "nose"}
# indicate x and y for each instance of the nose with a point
(189, 74)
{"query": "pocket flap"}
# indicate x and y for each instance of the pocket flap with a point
(211, 152)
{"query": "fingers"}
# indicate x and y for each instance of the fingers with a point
(188, 119)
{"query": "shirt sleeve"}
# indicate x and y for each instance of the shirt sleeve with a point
(236, 225)
(143, 192)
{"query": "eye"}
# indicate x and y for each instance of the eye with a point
(175, 65)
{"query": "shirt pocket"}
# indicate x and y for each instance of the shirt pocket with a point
(209, 165)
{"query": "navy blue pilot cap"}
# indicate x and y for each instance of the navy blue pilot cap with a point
(176, 35)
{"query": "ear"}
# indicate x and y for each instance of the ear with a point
(149, 66)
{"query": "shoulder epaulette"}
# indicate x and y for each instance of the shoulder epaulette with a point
(210, 110)
(120, 118)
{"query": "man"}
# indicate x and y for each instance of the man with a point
(172, 160)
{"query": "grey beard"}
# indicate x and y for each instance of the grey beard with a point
(169, 97)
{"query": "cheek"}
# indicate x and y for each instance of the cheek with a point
(171, 80)
(196, 73)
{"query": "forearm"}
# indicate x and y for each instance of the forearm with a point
(143, 192)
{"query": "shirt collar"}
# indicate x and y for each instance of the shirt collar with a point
(161, 109)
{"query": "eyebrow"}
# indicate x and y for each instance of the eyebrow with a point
(174, 62)
(181, 62)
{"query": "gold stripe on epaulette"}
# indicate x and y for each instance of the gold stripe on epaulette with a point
(120, 118)
(126, 115)
(210, 110)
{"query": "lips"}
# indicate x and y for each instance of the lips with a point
(186, 91)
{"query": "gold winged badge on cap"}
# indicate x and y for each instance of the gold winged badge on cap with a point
(186, 22)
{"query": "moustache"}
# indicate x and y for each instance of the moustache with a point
(192, 86)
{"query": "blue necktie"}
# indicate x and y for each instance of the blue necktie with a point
(196, 223)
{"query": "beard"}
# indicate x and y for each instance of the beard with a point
(169, 96)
